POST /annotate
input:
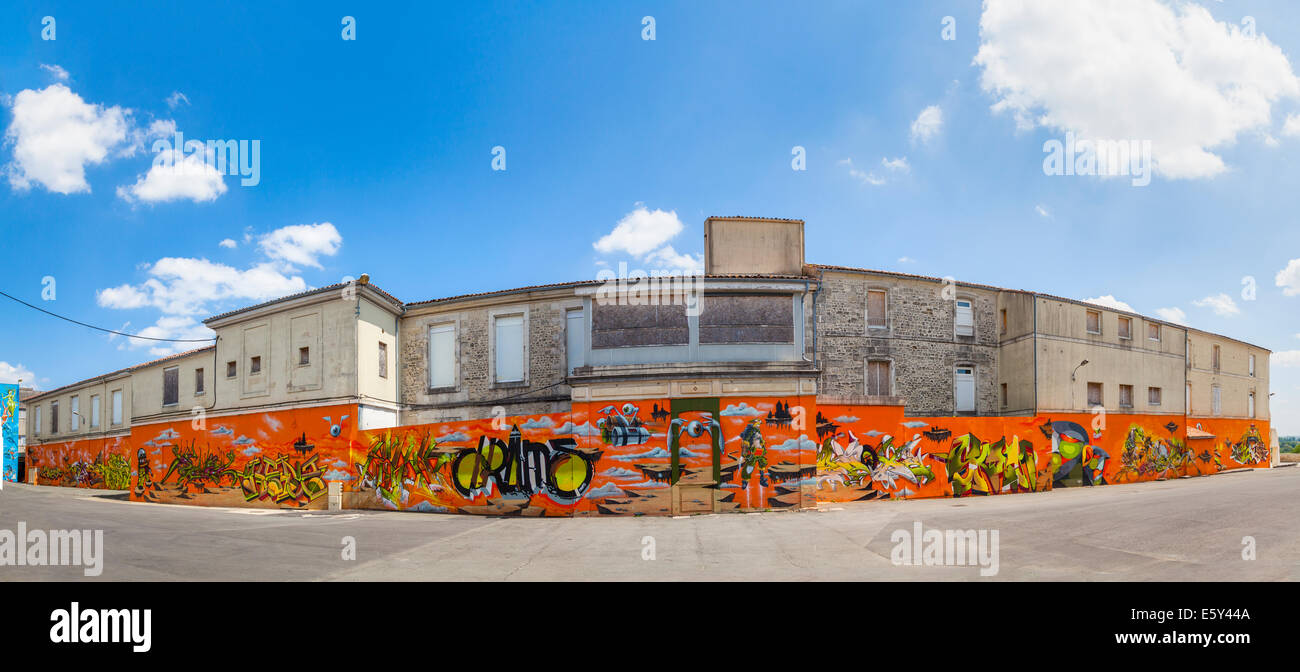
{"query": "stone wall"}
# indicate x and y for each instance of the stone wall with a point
(919, 339)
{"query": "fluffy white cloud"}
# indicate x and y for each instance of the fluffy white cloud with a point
(11, 373)
(302, 244)
(866, 177)
(55, 135)
(640, 232)
(1289, 278)
(899, 165)
(174, 177)
(1133, 70)
(1285, 358)
(58, 72)
(927, 124)
(1110, 301)
(186, 286)
(666, 258)
(228, 243)
(1172, 314)
(176, 99)
(170, 326)
(1291, 128)
(1042, 211)
(1220, 303)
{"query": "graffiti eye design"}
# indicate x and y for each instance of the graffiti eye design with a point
(695, 428)
(629, 409)
(335, 430)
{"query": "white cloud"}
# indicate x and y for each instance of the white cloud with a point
(176, 99)
(668, 259)
(1221, 303)
(11, 373)
(899, 165)
(228, 243)
(906, 260)
(170, 326)
(927, 124)
(58, 72)
(174, 177)
(56, 134)
(1110, 301)
(640, 232)
(186, 286)
(1172, 314)
(302, 244)
(1285, 358)
(1289, 278)
(863, 176)
(1133, 70)
(1042, 211)
(1291, 128)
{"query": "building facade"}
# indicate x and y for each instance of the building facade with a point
(767, 382)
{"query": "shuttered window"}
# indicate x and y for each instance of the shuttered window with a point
(171, 386)
(878, 379)
(876, 307)
(442, 355)
(965, 318)
(509, 348)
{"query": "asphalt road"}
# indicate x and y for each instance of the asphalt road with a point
(1181, 530)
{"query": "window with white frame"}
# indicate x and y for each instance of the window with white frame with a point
(509, 348)
(964, 388)
(1250, 405)
(75, 420)
(1216, 400)
(442, 355)
(117, 407)
(94, 411)
(965, 317)
(574, 330)
(36, 421)
(1252, 365)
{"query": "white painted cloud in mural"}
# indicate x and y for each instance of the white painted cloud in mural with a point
(741, 409)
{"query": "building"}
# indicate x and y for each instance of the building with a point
(765, 382)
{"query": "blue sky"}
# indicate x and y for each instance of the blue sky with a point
(376, 154)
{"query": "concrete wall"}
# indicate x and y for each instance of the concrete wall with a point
(919, 339)
(740, 245)
(475, 393)
(101, 387)
(147, 387)
(1064, 342)
(1016, 352)
(1233, 376)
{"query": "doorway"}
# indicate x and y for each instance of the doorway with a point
(695, 454)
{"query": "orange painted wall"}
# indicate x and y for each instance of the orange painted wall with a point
(870, 452)
(278, 459)
(86, 463)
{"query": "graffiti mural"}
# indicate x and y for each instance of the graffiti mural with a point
(9, 430)
(280, 459)
(102, 464)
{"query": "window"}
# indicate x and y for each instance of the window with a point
(1216, 404)
(94, 411)
(964, 389)
(509, 355)
(1250, 405)
(54, 417)
(1094, 322)
(1004, 395)
(965, 317)
(171, 386)
(1252, 365)
(231, 369)
(1126, 327)
(1153, 331)
(1188, 402)
(1094, 394)
(117, 407)
(304, 356)
(254, 365)
(1153, 396)
(574, 350)
(75, 420)
(442, 355)
(1004, 320)
(878, 379)
(877, 309)
(198, 381)
(1126, 396)
(36, 421)
(383, 360)
(1216, 359)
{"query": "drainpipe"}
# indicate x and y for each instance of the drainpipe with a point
(1035, 299)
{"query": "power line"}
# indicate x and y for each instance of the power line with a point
(110, 331)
